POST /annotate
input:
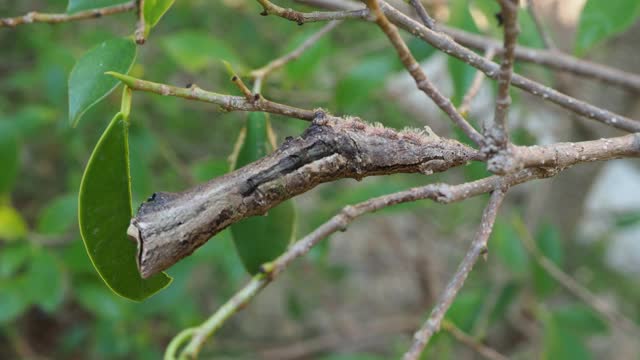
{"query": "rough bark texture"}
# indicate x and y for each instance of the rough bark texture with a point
(170, 226)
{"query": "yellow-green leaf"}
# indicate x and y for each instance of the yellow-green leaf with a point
(105, 211)
(12, 225)
(88, 83)
(261, 239)
(153, 11)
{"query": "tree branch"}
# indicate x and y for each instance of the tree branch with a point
(422, 14)
(301, 17)
(549, 58)
(441, 193)
(174, 225)
(496, 133)
(226, 102)
(139, 33)
(169, 227)
(37, 17)
(478, 247)
(446, 44)
(419, 76)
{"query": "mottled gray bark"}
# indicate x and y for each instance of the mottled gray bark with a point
(170, 226)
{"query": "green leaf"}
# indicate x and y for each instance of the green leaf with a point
(88, 83)
(506, 244)
(261, 239)
(58, 216)
(602, 19)
(550, 245)
(465, 309)
(208, 169)
(196, 51)
(529, 34)
(101, 303)
(12, 301)
(12, 258)
(580, 319)
(44, 281)
(355, 88)
(12, 225)
(303, 67)
(9, 156)
(104, 215)
(561, 343)
(79, 5)
(154, 9)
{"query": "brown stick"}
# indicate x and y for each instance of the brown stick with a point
(445, 43)
(420, 77)
(496, 133)
(169, 227)
(478, 247)
(37, 17)
(550, 58)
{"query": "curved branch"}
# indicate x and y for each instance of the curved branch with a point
(169, 227)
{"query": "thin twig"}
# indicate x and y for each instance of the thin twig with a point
(478, 247)
(607, 312)
(302, 17)
(237, 81)
(560, 155)
(476, 84)
(548, 58)
(419, 76)
(445, 43)
(468, 340)
(37, 17)
(423, 15)
(260, 74)
(496, 133)
(139, 33)
(553, 59)
(226, 102)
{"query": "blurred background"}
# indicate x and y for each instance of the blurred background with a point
(359, 295)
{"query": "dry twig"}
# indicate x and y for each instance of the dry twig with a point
(139, 33)
(423, 15)
(478, 247)
(37, 17)
(446, 44)
(420, 77)
(496, 133)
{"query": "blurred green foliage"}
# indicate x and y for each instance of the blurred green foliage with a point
(45, 272)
